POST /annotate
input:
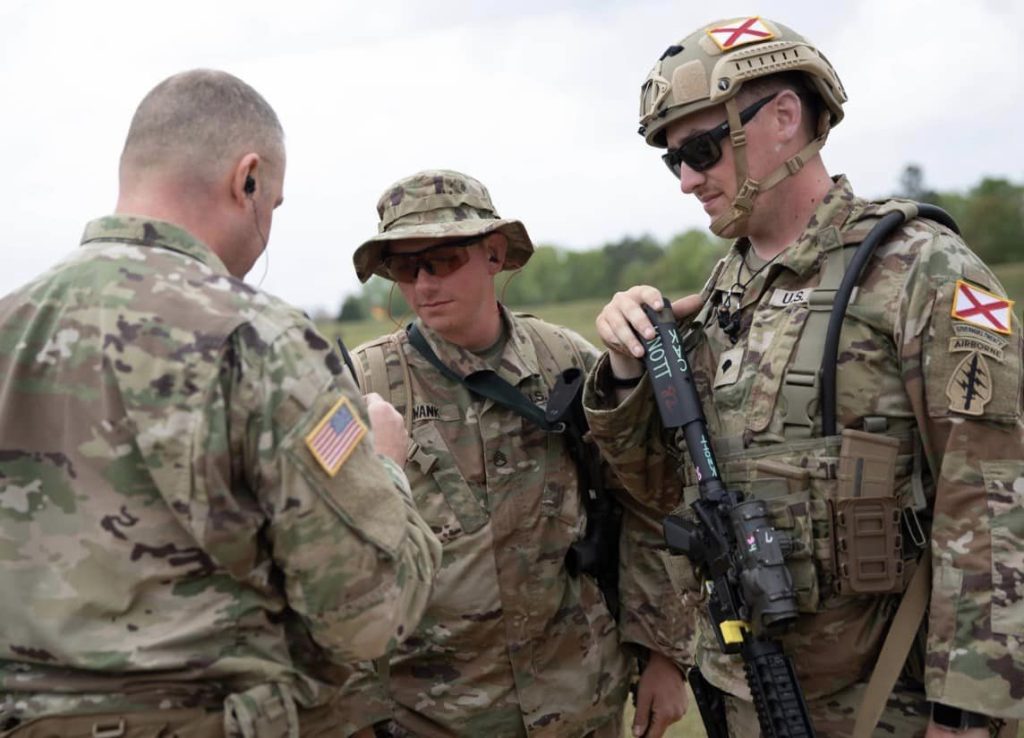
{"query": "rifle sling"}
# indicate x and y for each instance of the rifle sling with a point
(895, 648)
(485, 383)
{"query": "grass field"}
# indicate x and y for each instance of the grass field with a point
(580, 316)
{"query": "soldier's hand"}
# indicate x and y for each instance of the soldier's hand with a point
(661, 697)
(622, 319)
(937, 731)
(389, 435)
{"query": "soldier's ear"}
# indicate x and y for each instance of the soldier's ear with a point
(495, 246)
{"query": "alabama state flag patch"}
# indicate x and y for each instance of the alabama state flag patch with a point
(981, 308)
(740, 32)
(336, 436)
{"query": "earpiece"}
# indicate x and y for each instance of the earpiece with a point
(250, 185)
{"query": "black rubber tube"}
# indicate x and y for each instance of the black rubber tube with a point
(830, 358)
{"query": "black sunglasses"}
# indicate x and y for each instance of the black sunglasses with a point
(439, 260)
(703, 151)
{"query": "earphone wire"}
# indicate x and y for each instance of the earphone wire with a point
(266, 246)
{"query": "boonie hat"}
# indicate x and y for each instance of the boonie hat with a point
(438, 204)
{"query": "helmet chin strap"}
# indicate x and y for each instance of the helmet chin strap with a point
(731, 222)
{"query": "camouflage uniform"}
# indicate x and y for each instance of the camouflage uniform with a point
(511, 644)
(170, 536)
(904, 366)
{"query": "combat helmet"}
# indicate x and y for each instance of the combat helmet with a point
(710, 66)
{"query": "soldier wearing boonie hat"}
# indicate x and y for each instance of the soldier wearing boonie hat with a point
(512, 643)
(929, 377)
(438, 206)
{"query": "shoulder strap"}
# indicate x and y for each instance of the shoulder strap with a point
(895, 648)
(389, 379)
(485, 383)
(812, 372)
(560, 347)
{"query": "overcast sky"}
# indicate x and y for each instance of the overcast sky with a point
(536, 98)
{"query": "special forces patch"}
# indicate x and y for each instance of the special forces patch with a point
(970, 387)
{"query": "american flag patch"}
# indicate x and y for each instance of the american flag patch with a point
(335, 436)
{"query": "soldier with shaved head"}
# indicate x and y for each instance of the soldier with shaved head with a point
(197, 524)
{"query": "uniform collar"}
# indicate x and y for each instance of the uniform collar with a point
(154, 233)
(804, 255)
(518, 359)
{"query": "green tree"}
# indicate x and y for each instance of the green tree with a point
(991, 218)
(353, 308)
(686, 264)
(540, 281)
(913, 187)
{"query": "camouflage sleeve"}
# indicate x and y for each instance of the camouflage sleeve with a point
(657, 604)
(632, 440)
(357, 560)
(655, 609)
(362, 700)
(961, 356)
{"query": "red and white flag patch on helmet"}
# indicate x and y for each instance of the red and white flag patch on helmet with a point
(981, 308)
(740, 32)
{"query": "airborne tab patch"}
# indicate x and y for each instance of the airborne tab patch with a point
(981, 308)
(740, 32)
(336, 436)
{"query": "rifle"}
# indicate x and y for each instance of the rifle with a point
(738, 552)
(597, 553)
(348, 360)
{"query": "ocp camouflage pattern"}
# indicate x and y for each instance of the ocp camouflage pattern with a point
(511, 644)
(166, 537)
(894, 368)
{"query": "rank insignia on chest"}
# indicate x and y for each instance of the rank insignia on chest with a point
(981, 308)
(336, 436)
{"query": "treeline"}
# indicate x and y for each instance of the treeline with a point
(990, 215)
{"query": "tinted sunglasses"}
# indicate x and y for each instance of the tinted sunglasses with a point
(438, 261)
(704, 150)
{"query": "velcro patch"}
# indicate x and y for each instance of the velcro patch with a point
(784, 298)
(336, 436)
(740, 32)
(981, 308)
(970, 387)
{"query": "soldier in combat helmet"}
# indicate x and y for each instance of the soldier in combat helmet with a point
(929, 397)
(198, 527)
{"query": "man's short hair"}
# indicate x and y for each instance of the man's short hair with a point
(798, 83)
(198, 120)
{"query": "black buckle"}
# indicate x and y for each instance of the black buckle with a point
(957, 719)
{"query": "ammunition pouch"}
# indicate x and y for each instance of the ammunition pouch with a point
(866, 516)
(845, 502)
